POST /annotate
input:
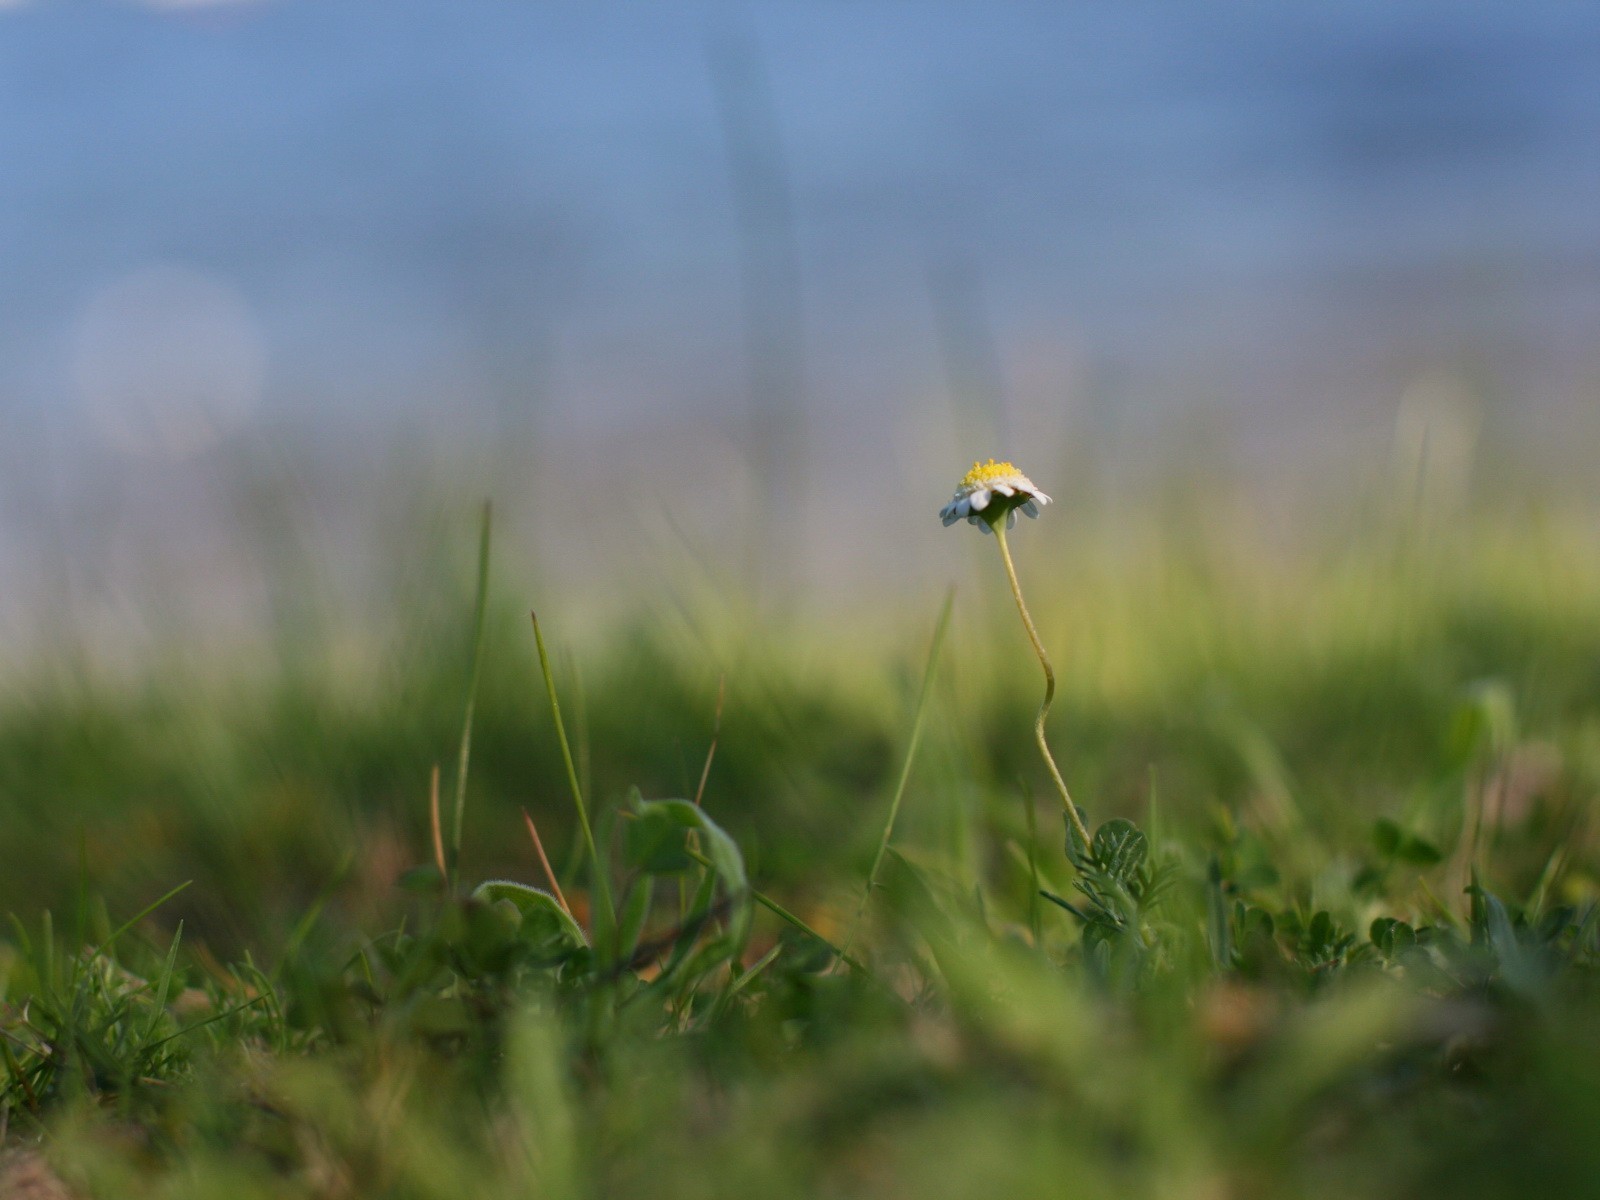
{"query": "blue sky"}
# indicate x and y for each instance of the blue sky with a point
(535, 199)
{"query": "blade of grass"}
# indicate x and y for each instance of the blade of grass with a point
(711, 752)
(544, 861)
(602, 886)
(465, 757)
(580, 728)
(934, 648)
(783, 914)
(725, 997)
(434, 827)
(135, 919)
(303, 927)
(14, 1069)
(234, 1010)
(164, 985)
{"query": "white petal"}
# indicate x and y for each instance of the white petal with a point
(1041, 498)
(949, 518)
(1005, 489)
(980, 499)
(984, 525)
(961, 507)
(1031, 509)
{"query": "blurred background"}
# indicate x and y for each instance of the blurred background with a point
(286, 285)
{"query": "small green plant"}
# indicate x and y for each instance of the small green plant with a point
(91, 1019)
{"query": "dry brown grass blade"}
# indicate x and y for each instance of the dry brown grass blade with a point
(544, 861)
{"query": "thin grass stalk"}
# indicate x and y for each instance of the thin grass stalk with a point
(602, 885)
(544, 861)
(434, 828)
(917, 721)
(783, 914)
(464, 759)
(716, 733)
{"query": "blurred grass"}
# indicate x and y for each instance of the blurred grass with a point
(1259, 708)
(1318, 684)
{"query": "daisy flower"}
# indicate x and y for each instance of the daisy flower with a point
(986, 494)
(990, 491)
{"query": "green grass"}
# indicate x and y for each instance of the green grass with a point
(1336, 934)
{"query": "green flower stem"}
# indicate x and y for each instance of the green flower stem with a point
(999, 527)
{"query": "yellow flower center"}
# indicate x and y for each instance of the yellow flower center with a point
(986, 473)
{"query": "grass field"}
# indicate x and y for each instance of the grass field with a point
(1335, 935)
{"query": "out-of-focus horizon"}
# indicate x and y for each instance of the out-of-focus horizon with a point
(724, 276)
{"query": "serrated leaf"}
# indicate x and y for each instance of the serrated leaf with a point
(1119, 849)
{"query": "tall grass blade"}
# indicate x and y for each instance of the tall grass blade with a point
(480, 607)
(602, 884)
(905, 767)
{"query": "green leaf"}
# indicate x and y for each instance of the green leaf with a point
(630, 922)
(1320, 933)
(543, 920)
(1418, 852)
(1119, 849)
(666, 826)
(1392, 936)
(1517, 966)
(1367, 881)
(1394, 842)
(657, 845)
(1076, 850)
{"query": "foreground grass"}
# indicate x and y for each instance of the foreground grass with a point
(1336, 934)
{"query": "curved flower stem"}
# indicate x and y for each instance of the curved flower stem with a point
(999, 528)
